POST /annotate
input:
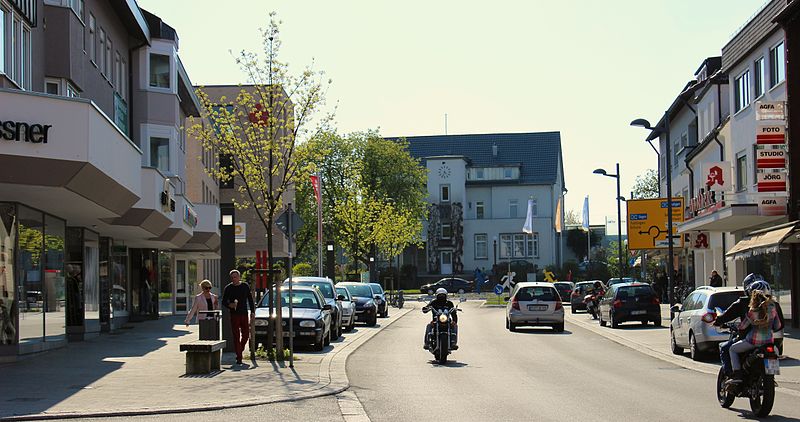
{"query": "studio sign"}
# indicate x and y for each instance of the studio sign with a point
(21, 131)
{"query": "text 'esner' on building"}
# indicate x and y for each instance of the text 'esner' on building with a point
(107, 215)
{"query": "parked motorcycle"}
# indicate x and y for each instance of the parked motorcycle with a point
(592, 302)
(442, 335)
(759, 368)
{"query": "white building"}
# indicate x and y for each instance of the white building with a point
(479, 187)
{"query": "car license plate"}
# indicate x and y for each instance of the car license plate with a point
(772, 367)
(638, 312)
(537, 307)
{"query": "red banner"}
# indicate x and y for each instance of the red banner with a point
(315, 184)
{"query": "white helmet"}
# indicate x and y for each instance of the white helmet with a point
(441, 291)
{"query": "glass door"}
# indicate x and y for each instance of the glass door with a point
(182, 288)
(447, 262)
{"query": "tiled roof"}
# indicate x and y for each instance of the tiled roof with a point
(539, 153)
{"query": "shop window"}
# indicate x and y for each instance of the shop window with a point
(159, 71)
(159, 154)
(9, 299)
(54, 300)
(31, 295)
(119, 280)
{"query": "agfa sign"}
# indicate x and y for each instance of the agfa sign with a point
(770, 110)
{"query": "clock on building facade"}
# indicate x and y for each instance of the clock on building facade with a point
(444, 172)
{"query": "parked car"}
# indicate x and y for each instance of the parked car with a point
(534, 304)
(564, 289)
(366, 309)
(452, 284)
(630, 302)
(312, 321)
(380, 299)
(348, 308)
(580, 290)
(617, 280)
(328, 290)
(687, 329)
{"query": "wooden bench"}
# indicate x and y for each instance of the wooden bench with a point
(202, 356)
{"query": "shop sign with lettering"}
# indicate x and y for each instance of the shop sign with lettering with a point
(771, 181)
(770, 110)
(772, 206)
(24, 132)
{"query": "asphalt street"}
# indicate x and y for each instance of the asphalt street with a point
(534, 374)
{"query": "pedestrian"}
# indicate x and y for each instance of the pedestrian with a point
(237, 297)
(205, 301)
(715, 280)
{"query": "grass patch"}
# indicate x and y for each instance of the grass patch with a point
(262, 354)
(495, 300)
(405, 292)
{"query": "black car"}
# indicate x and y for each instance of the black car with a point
(311, 317)
(366, 309)
(451, 284)
(564, 290)
(630, 302)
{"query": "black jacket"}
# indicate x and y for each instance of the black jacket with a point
(443, 304)
(739, 309)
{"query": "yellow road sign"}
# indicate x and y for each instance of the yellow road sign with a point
(647, 223)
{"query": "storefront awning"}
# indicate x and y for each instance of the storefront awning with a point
(763, 241)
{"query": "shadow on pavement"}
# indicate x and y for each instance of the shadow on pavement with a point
(638, 327)
(449, 364)
(747, 414)
(38, 382)
(543, 330)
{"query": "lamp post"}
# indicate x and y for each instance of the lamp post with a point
(494, 249)
(655, 132)
(619, 220)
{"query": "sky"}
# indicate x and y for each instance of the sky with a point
(585, 68)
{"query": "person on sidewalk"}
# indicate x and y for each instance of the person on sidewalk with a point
(763, 318)
(237, 297)
(205, 301)
(715, 280)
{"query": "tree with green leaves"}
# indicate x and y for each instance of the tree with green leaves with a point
(257, 132)
(646, 185)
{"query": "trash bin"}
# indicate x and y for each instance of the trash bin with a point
(209, 327)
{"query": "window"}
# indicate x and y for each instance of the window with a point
(25, 64)
(684, 139)
(72, 92)
(15, 24)
(92, 40)
(741, 172)
(101, 51)
(676, 151)
(51, 87)
(760, 77)
(159, 153)
(117, 71)
(159, 71)
(505, 245)
(507, 173)
(513, 206)
(3, 14)
(447, 231)
(777, 65)
(741, 88)
(123, 79)
(479, 173)
(519, 245)
(480, 210)
(109, 63)
(481, 246)
(444, 193)
(533, 207)
(77, 7)
(533, 245)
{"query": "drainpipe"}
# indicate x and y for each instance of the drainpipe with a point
(721, 158)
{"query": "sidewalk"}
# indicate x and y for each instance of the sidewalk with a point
(141, 371)
(655, 342)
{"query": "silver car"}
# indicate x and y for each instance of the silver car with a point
(534, 304)
(687, 329)
(348, 308)
(328, 290)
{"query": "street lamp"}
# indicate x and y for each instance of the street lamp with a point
(655, 132)
(619, 219)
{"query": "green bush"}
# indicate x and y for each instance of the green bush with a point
(303, 269)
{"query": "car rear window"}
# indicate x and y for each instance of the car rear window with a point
(723, 299)
(538, 293)
(634, 291)
(376, 289)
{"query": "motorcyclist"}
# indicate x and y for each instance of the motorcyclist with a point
(400, 299)
(440, 303)
(739, 309)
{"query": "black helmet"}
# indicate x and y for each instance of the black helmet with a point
(598, 285)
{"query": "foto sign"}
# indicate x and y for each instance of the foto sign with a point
(647, 223)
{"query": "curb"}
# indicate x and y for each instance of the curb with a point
(676, 360)
(332, 374)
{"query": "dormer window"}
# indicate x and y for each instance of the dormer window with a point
(508, 173)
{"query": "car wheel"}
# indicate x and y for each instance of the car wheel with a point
(320, 345)
(573, 310)
(461, 291)
(694, 351)
(644, 322)
(327, 341)
(602, 321)
(614, 323)
(657, 322)
(512, 327)
(559, 328)
(372, 322)
(507, 325)
(673, 345)
(339, 330)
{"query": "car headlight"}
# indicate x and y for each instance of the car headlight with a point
(261, 323)
(369, 304)
(308, 324)
(442, 318)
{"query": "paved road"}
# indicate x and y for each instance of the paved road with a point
(531, 375)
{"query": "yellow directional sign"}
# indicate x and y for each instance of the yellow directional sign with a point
(647, 223)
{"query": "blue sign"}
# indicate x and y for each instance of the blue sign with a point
(498, 289)
(638, 217)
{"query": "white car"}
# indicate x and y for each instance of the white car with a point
(348, 308)
(534, 304)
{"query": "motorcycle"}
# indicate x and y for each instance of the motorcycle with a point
(440, 339)
(592, 301)
(400, 300)
(759, 367)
